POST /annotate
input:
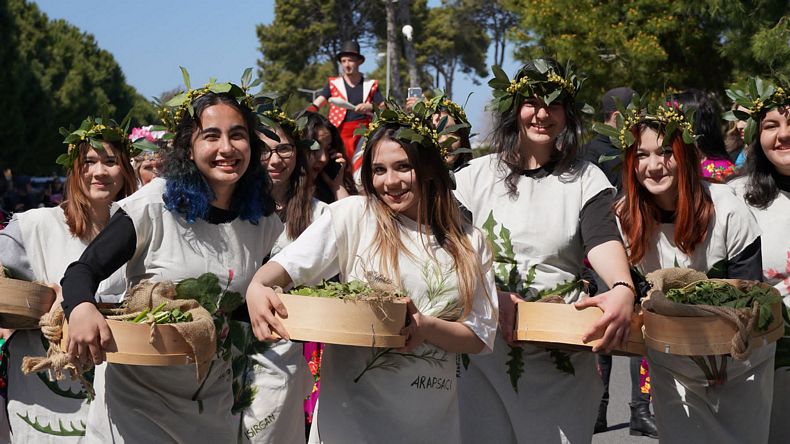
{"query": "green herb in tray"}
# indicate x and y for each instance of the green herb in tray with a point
(353, 290)
(162, 316)
(722, 294)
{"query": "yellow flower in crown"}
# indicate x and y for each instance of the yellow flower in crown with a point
(544, 82)
(669, 116)
(175, 109)
(96, 131)
(757, 96)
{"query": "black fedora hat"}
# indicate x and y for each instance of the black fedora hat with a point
(350, 48)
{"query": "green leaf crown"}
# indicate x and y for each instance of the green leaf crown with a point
(545, 83)
(172, 111)
(441, 103)
(669, 116)
(758, 96)
(95, 131)
(416, 127)
(271, 115)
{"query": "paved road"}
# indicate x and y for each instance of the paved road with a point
(619, 413)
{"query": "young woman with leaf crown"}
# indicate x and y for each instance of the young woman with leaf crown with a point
(765, 187)
(38, 245)
(543, 210)
(669, 218)
(276, 409)
(406, 234)
(210, 211)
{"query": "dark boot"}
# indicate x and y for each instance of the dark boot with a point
(600, 423)
(643, 423)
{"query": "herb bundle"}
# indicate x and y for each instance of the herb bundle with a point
(722, 294)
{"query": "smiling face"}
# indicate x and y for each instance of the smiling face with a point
(394, 178)
(775, 138)
(221, 147)
(656, 166)
(541, 124)
(280, 165)
(102, 175)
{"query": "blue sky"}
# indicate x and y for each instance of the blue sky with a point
(150, 39)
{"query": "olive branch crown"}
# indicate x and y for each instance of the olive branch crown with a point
(668, 115)
(271, 115)
(546, 84)
(758, 96)
(417, 126)
(173, 111)
(95, 131)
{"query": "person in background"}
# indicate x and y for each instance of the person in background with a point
(329, 169)
(601, 152)
(148, 163)
(351, 87)
(460, 152)
(765, 187)
(714, 159)
(734, 139)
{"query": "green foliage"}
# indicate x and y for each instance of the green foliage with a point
(653, 45)
(515, 365)
(329, 289)
(48, 429)
(453, 41)
(722, 294)
(53, 75)
(562, 361)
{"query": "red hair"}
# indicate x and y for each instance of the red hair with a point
(639, 214)
(77, 204)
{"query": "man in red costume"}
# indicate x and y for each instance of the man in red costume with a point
(351, 87)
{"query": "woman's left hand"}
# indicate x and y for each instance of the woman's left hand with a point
(415, 327)
(617, 305)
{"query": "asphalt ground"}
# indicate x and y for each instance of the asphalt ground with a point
(619, 414)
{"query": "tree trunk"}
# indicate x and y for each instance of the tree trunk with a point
(392, 52)
(408, 46)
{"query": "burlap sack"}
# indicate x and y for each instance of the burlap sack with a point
(742, 319)
(200, 334)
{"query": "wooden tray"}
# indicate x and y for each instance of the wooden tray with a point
(344, 322)
(23, 303)
(130, 345)
(562, 326)
(702, 335)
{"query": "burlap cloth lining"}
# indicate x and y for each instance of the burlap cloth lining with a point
(668, 278)
(200, 334)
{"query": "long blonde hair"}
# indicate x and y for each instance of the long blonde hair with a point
(437, 214)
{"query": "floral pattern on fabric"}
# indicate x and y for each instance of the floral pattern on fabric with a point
(313, 353)
(717, 170)
(644, 377)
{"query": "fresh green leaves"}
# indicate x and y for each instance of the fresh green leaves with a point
(722, 294)
(206, 290)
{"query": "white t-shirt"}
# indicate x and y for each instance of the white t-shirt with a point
(537, 245)
(380, 395)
